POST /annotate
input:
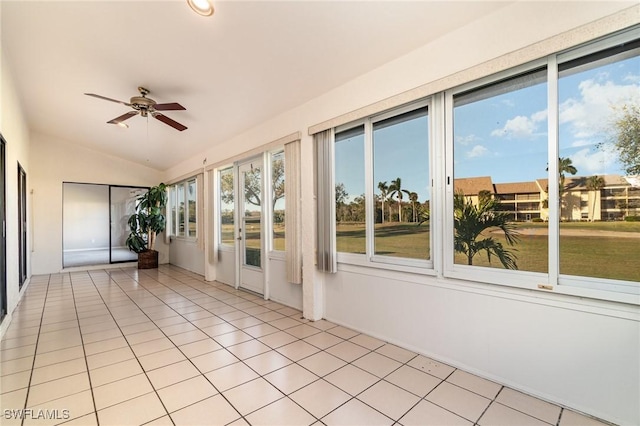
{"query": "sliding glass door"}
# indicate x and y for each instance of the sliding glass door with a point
(22, 226)
(3, 244)
(122, 201)
(95, 223)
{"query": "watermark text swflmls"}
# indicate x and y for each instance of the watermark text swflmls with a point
(36, 414)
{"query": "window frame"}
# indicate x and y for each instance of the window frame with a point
(552, 281)
(370, 258)
(174, 222)
(272, 251)
(220, 243)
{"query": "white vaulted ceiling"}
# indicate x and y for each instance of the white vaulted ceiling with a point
(250, 61)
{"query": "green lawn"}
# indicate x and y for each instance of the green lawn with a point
(583, 255)
(599, 256)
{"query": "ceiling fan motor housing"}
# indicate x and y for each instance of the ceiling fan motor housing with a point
(142, 103)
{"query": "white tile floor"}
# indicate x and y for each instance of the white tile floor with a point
(129, 347)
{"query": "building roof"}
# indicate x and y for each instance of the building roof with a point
(473, 185)
(517, 188)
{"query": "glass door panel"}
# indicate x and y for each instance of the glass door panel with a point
(251, 179)
(122, 202)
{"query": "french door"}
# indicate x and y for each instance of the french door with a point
(250, 232)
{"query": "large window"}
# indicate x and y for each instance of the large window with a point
(599, 150)
(277, 200)
(500, 157)
(401, 185)
(227, 207)
(183, 209)
(546, 181)
(349, 178)
(383, 187)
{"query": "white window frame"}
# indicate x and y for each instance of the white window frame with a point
(553, 281)
(370, 259)
(174, 218)
(273, 253)
(221, 245)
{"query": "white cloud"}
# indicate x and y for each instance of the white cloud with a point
(591, 114)
(467, 140)
(632, 78)
(590, 163)
(477, 151)
(581, 142)
(521, 126)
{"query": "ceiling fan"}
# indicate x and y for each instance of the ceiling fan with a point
(145, 106)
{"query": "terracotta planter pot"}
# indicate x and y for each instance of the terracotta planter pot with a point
(148, 259)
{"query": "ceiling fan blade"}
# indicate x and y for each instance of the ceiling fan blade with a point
(173, 106)
(170, 122)
(123, 117)
(107, 99)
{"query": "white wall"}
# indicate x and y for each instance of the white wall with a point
(280, 290)
(560, 348)
(187, 255)
(85, 216)
(53, 162)
(14, 129)
(579, 356)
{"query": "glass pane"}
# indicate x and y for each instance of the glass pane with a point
(500, 162)
(401, 185)
(350, 189)
(85, 224)
(180, 197)
(227, 207)
(600, 166)
(123, 205)
(252, 220)
(277, 182)
(191, 199)
(174, 211)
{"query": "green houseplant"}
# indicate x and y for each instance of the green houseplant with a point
(145, 224)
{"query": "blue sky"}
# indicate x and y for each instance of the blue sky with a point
(505, 136)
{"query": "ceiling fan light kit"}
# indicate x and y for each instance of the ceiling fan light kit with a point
(201, 7)
(145, 106)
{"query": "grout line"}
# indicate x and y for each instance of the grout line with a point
(35, 350)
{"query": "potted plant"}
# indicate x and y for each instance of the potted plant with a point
(145, 224)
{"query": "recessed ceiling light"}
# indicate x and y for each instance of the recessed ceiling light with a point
(201, 7)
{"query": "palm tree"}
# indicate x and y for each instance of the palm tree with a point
(384, 193)
(565, 165)
(413, 197)
(396, 189)
(595, 183)
(471, 221)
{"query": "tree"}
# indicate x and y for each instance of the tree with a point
(253, 185)
(277, 181)
(395, 189)
(413, 197)
(471, 221)
(226, 188)
(341, 198)
(595, 183)
(626, 138)
(565, 165)
(341, 193)
(384, 193)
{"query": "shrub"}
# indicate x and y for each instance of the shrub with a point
(632, 219)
